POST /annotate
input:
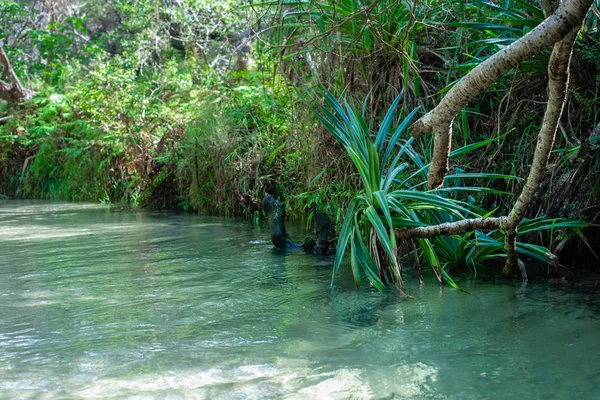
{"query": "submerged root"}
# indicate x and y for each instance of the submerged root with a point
(388, 269)
(510, 246)
(405, 248)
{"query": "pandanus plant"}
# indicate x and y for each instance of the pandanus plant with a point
(386, 201)
(390, 201)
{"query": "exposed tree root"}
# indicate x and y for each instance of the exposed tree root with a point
(405, 236)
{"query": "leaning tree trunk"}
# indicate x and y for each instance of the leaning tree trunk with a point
(13, 92)
(553, 29)
(559, 29)
(558, 73)
(558, 82)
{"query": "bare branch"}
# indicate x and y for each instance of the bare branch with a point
(8, 70)
(4, 87)
(13, 92)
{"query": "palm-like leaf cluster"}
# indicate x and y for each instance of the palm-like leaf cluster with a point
(390, 200)
(387, 201)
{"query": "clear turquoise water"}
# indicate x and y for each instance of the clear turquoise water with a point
(97, 302)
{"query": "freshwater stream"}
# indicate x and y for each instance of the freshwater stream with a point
(101, 302)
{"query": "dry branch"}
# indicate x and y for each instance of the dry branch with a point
(13, 92)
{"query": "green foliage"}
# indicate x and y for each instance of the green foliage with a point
(355, 41)
(381, 206)
(159, 139)
(389, 200)
(143, 102)
(12, 13)
(486, 27)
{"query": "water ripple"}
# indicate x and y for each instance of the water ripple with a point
(97, 302)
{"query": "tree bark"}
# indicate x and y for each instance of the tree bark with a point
(450, 228)
(567, 17)
(558, 82)
(13, 92)
(560, 29)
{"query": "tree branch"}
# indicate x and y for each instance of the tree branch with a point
(558, 82)
(439, 120)
(451, 228)
(9, 71)
(4, 87)
(13, 92)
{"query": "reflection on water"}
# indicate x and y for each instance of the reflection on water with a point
(98, 302)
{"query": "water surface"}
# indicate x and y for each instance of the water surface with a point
(100, 302)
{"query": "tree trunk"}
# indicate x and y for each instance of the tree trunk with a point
(567, 17)
(450, 228)
(558, 82)
(13, 92)
(559, 28)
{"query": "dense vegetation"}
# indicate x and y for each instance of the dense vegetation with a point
(209, 106)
